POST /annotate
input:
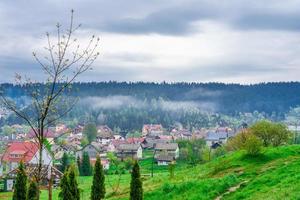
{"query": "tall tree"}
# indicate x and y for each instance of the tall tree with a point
(90, 131)
(69, 185)
(65, 193)
(65, 162)
(20, 186)
(98, 187)
(86, 168)
(73, 185)
(136, 185)
(33, 190)
(66, 60)
(78, 161)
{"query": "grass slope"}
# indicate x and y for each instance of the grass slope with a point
(273, 175)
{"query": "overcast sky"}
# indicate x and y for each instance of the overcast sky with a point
(240, 41)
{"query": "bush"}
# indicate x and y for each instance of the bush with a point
(246, 140)
(274, 134)
(253, 145)
(237, 142)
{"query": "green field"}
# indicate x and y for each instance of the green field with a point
(273, 175)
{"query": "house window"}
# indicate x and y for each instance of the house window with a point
(16, 155)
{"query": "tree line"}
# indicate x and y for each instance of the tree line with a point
(231, 98)
(26, 189)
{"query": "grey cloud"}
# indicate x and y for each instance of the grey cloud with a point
(144, 17)
(177, 19)
(268, 21)
(170, 21)
(23, 19)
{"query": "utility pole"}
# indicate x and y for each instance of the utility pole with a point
(154, 152)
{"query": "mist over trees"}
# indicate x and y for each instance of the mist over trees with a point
(126, 106)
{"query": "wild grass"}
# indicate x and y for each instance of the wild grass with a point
(274, 174)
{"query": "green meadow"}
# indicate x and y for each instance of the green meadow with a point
(275, 174)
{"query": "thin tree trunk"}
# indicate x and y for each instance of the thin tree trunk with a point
(40, 162)
(40, 167)
(50, 187)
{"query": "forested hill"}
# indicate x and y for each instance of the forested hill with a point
(224, 98)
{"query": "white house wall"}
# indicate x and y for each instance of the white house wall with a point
(47, 159)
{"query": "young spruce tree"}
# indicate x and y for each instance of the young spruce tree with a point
(65, 162)
(79, 165)
(136, 185)
(73, 185)
(33, 191)
(86, 169)
(64, 187)
(98, 187)
(69, 186)
(20, 186)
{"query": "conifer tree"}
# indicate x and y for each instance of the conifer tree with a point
(20, 188)
(79, 165)
(98, 187)
(33, 191)
(64, 187)
(136, 185)
(73, 185)
(64, 162)
(86, 165)
(69, 185)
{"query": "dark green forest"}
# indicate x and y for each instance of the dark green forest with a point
(127, 106)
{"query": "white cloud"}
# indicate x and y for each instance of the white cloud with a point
(220, 44)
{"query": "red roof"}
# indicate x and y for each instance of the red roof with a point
(153, 127)
(118, 142)
(47, 134)
(165, 137)
(135, 140)
(20, 151)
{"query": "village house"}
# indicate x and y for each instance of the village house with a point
(61, 128)
(105, 163)
(182, 134)
(58, 151)
(134, 140)
(75, 138)
(27, 152)
(133, 151)
(78, 129)
(48, 171)
(152, 130)
(104, 134)
(93, 150)
(48, 134)
(199, 134)
(215, 139)
(150, 143)
(164, 159)
(113, 144)
(171, 149)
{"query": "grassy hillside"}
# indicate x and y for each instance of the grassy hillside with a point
(273, 175)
